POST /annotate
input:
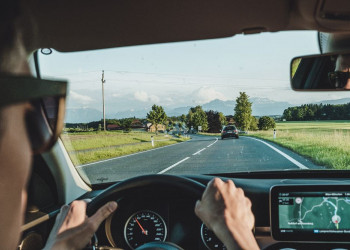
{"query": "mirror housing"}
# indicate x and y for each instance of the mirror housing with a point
(327, 72)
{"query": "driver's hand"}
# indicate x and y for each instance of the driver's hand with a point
(227, 212)
(73, 230)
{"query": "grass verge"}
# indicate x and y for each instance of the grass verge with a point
(326, 143)
(210, 134)
(91, 140)
(100, 144)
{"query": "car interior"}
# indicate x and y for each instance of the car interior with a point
(169, 199)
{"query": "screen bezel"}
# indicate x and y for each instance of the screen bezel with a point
(274, 217)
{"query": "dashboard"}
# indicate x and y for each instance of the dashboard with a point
(155, 216)
(169, 214)
(184, 228)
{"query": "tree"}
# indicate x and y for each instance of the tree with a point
(126, 124)
(156, 116)
(214, 121)
(197, 117)
(183, 118)
(243, 111)
(223, 119)
(266, 122)
(253, 123)
(287, 114)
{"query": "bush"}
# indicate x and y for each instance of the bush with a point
(253, 123)
(266, 122)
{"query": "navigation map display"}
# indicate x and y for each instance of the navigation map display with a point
(311, 214)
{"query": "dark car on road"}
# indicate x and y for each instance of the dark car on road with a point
(229, 131)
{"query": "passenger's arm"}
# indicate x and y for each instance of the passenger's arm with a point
(227, 212)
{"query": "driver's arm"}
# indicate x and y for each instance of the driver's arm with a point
(73, 230)
(225, 210)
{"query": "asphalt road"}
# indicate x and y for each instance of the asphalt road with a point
(202, 154)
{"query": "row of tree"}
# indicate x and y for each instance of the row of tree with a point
(212, 121)
(209, 121)
(310, 112)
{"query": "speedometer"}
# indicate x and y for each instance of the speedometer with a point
(144, 226)
(210, 240)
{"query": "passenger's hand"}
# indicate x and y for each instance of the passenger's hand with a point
(227, 212)
(73, 230)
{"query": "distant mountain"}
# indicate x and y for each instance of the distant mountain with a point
(141, 113)
(177, 111)
(260, 107)
(82, 115)
(334, 102)
(265, 106)
(225, 107)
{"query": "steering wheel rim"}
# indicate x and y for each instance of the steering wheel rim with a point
(191, 187)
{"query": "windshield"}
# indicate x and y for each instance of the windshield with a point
(165, 107)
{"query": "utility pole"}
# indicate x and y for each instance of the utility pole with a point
(103, 100)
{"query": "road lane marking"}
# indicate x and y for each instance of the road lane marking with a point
(199, 151)
(172, 166)
(300, 165)
(212, 143)
(124, 156)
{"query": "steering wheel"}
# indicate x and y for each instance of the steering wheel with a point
(125, 188)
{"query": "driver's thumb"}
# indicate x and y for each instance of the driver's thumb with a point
(103, 213)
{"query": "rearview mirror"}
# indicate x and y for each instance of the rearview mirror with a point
(321, 72)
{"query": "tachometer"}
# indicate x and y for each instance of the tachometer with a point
(210, 240)
(144, 226)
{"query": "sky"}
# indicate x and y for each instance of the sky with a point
(186, 73)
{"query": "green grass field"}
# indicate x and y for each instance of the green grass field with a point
(89, 147)
(210, 134)
(326, 143)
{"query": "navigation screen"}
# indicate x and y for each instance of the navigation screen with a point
(318, 212)
(312, 215)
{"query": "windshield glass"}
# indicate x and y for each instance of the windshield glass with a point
(165, 107)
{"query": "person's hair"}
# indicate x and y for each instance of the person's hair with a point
(17, 29)
(2, 125)
(9, 15)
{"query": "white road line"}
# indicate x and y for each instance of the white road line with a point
(172, 166)
(212, 143)
(301, 166)
(124, 156)
(199, 151)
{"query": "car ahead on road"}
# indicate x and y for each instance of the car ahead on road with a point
(182, 54)
(229, 131)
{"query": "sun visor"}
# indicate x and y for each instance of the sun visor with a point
(67, 25)
(89, 24)
(334, 14)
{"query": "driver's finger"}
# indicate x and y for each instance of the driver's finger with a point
(212, 187)
(197, 208)
(102, 214)
(75, 215)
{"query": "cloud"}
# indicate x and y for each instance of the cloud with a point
(145, 97)
(207, 94)
(83, 99)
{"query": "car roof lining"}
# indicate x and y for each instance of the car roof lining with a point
(78, 25)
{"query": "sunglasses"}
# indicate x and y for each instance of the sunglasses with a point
(338, 79)
(44, 120)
